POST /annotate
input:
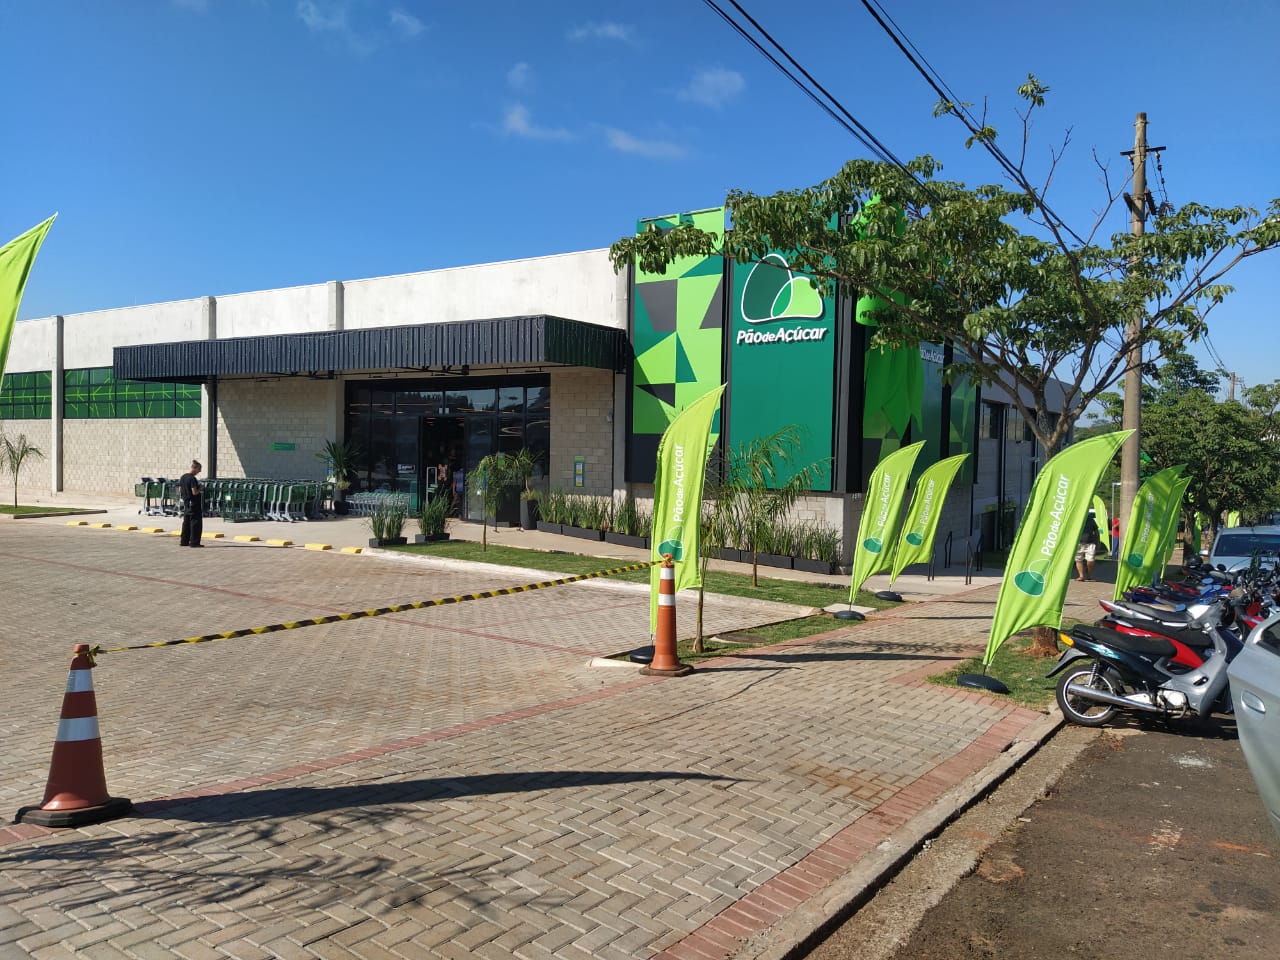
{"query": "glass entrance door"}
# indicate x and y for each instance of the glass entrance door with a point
(480, 433)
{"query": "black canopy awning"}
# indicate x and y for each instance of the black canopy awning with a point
(503, 342)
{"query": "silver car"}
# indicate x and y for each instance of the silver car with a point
(1255, 694)
(1235, 547)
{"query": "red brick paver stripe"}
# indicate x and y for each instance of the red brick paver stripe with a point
(778, 896)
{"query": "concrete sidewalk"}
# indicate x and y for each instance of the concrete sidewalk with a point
(459, 781)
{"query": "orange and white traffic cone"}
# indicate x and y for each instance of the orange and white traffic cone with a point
(77, 790)
(665, 662)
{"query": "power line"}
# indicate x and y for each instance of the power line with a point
(931, 76)
(810, 87)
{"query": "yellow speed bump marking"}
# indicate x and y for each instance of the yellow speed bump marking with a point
(212, 536)
(246, 538)
(352, 550)
(126, 527)
(379, 611)
(317, 546)
(175, 533)
(100, 526)
(77, 523)
(153, 529)
(280, 543)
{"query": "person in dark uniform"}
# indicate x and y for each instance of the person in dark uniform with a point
(192, 507)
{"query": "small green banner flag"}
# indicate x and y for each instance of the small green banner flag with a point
(677, 494)
(886, 489)
(16, 258)
(1170, 538)
(1142, 552)
(1104, 525)
(920, 525)
(1034, 587)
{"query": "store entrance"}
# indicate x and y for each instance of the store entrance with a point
(450, 448)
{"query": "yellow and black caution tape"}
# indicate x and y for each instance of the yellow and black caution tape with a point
(380, 611)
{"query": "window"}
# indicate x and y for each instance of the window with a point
(992, 425)
(91, 393)
(27, 396)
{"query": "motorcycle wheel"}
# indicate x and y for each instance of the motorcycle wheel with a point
(1086, 713)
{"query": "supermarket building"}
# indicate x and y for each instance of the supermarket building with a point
(561, 354)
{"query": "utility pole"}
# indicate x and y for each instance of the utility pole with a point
(1138, 203)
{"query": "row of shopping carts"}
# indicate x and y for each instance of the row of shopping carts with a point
(241, 499)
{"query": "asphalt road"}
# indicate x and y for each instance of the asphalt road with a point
(1148, 842)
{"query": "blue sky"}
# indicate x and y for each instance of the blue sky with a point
(198, 147)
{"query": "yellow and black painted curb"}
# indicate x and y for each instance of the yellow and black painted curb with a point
(380, 611)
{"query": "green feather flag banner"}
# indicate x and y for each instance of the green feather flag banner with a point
(677, 493)
(1034, 587)
(16, 258)
(920, 525)
(1142, 553)
(886, 489)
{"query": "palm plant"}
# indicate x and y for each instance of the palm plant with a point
(760, 499)
(13, 453)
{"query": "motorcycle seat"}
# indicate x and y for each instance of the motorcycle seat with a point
(1160, 615)
(1148, 646)
(1189, 636)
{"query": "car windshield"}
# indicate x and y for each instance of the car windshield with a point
(1244, 544)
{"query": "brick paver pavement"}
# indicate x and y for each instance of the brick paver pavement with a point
(457, 781)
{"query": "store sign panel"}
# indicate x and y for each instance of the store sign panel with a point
(782, 359)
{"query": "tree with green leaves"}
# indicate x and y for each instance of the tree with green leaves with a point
(745, 494)
(13, 454)
(992, 269)
(493, 477)
(1228, 446)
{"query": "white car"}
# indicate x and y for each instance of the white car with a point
(1235, 548)
(1255, 694)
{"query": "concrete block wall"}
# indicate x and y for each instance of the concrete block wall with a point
(582, 426)
(252, 416)
(110, 456)
(36, 477)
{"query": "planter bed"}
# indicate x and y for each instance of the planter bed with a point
(585, 533)
(547, 526)
(774, 560)
(813, 566)
(626, 539)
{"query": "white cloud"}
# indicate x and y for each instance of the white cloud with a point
(323, 17)
(329, 18)
(517, 123)
(603, 31)
(624, 142)
(405, 23)
(519, 76)
(714, 87)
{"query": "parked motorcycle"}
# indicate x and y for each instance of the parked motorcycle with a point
(1105, 670)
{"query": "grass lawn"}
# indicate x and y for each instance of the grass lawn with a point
(1022, 673)
(798, 592)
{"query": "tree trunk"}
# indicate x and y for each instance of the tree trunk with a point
(697, 637)
(1044, 642)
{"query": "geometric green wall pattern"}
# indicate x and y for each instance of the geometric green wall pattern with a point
(677, 333)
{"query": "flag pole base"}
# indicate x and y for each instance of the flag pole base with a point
(848, 615)
(981, 681)
(889, 595)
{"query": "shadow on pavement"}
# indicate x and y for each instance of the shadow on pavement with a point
(300, 801)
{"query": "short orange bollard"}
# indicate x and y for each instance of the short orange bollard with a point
(77, 790)
(665, 662)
